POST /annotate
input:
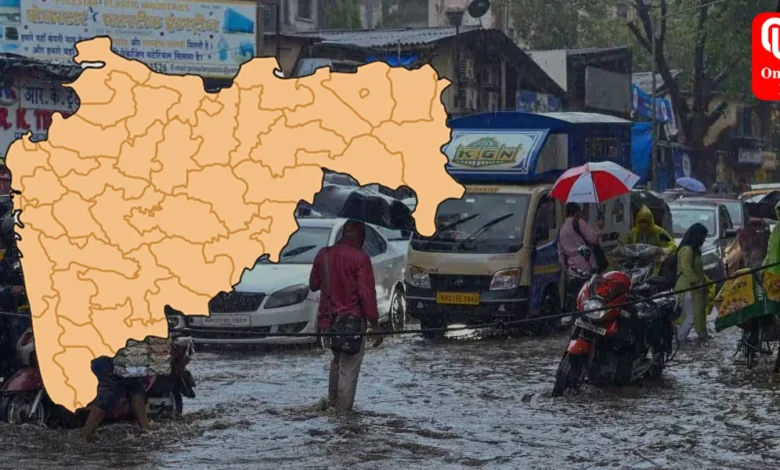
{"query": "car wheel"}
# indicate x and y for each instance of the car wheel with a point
(551, 305)
(397, 312)
(21, 406)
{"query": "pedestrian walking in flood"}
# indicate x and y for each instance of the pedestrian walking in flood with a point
(345, 276)
(690, 273)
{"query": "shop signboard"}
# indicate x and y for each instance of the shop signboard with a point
(607, 90)
(682, 163)
(769, 161)
(533, 102)
(473, 152)
(751, 156)
(29, 106)
(210, 39)
(643, 106)
(9, 26)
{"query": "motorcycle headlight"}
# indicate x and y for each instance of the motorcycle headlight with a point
(594, 304)
(506, 279)
(418, 277)
(288, 296)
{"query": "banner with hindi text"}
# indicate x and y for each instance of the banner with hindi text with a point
(210, 39)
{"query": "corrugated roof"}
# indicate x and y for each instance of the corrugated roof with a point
(383, 37)
(64, 70)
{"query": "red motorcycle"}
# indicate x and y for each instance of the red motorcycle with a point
(613, 343)
(23, 398)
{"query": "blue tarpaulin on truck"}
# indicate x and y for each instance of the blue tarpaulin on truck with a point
(641, 142)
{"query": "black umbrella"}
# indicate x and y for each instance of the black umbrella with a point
(365, 205)
(762, 205)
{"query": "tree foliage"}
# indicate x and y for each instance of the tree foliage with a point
(729, 40)
(404, 13)
(709, 43)
(717, 59)
(564, 24)
(342, 14)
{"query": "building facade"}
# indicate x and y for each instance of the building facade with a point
(594, 80)
(486, 68)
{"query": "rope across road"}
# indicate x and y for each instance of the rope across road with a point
(249, 334)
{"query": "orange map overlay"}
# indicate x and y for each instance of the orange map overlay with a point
(156, 192)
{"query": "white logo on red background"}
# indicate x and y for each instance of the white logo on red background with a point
(772, 46)
(765, 67)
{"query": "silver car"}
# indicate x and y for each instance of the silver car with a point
(275, 297)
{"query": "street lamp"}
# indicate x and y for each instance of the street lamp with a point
(455, 18)
(653, 160)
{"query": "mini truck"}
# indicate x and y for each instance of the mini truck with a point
(494, 253)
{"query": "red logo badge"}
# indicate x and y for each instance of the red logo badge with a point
(766, 56)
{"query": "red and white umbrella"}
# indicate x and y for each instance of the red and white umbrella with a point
(593, 182)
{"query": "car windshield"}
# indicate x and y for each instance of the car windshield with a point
(478, 223)
(735, 212)
(303, 246)
(394, 235)
(682, 219)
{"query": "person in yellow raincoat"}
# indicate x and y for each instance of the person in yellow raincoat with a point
(770, 277)
(646, 231)
(773, 249)
(690, 273)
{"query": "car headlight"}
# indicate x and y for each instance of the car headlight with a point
(176, 321)
(288, 296)
(506, 279)
(594, 304)
(418, 277)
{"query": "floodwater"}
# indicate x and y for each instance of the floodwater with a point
(455, 403)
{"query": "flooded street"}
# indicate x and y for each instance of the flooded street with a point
(455, 403)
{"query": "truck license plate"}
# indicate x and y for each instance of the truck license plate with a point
(227, 321)
(458, 298)
(587, 326)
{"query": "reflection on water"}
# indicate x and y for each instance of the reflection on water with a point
(460, 402)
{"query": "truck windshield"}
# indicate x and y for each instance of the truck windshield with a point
(478, 223)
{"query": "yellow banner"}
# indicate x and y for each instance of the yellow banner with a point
(771, 284)
(737, 294)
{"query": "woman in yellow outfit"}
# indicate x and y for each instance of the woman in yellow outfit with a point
(690, 273)
(647, 232)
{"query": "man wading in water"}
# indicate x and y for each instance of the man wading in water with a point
(346, 277)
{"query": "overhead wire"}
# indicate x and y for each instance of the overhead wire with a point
(250, 334)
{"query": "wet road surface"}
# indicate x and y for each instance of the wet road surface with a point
(454, 403)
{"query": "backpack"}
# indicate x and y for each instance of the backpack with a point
(598, 253)
(668, 269)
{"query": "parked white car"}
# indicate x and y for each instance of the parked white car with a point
(276, 297)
